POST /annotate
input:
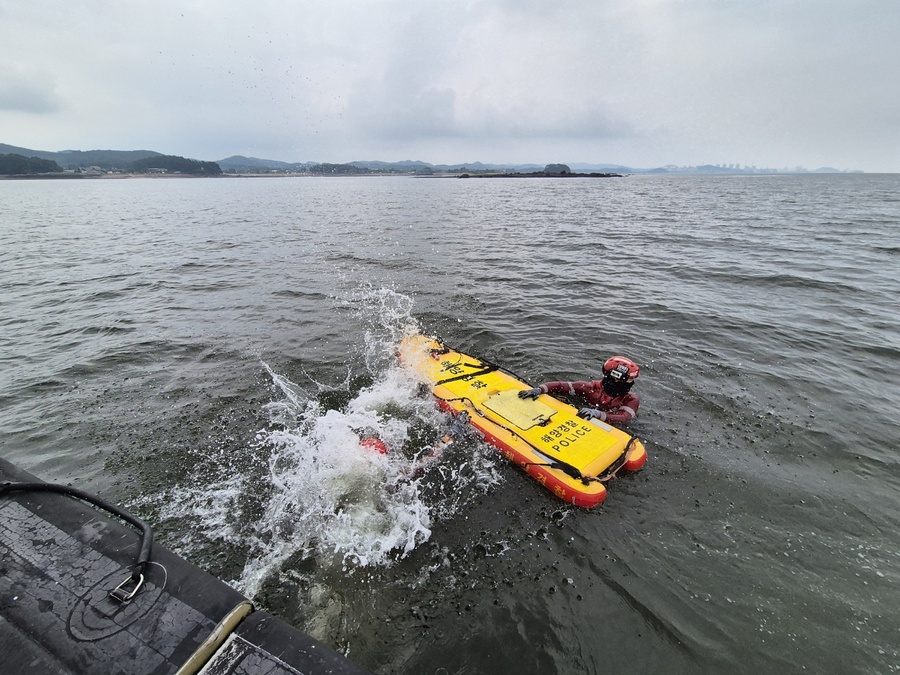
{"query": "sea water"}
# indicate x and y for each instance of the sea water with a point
(214, 353)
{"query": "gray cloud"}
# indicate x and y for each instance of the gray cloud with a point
(25, 92)
(644, 83)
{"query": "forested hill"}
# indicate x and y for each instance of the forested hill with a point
(13, 164)
(138, 161)
(82, 159)
(173, 164)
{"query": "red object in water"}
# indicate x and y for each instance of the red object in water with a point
(375, 444)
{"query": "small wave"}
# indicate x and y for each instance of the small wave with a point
(291, 293)
(106, 330)
(45, 385)
(102, 296)
(105, 278)
(800, 282)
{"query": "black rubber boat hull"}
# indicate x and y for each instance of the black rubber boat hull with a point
(60, 557)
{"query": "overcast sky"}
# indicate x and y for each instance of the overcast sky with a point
(643, 83)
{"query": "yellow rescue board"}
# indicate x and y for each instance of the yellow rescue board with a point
(570, 456)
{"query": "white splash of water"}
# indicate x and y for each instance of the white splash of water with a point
(309, 488)
(210, 508)
(331, 495)
(338, 501)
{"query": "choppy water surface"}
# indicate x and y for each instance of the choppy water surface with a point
(214, 353)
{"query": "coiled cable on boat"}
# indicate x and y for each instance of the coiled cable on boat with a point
(128, 588)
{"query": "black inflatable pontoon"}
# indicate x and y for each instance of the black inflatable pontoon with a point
(81, 592)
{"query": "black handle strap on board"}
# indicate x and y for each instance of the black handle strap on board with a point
(558, 464)
(566, 468)
(613, 468)
(602, 477)
(488, 368)
(126, 590)
(485, 366)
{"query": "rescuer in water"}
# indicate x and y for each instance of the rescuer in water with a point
(610, 399)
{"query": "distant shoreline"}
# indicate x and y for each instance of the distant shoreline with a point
(155, 176)
(103, 176)
(436, 174)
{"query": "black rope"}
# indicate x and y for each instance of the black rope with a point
(144, 552)
(558, 464)
(613, 469)
(565, 467)
(489, 368)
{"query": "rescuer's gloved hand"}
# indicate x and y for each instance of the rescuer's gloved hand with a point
(531, 393)
(588, 413)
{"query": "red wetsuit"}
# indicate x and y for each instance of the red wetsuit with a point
(617, 410)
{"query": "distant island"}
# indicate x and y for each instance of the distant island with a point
(17, 162)
(550, 171)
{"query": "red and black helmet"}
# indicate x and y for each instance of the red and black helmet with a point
(621, 369)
